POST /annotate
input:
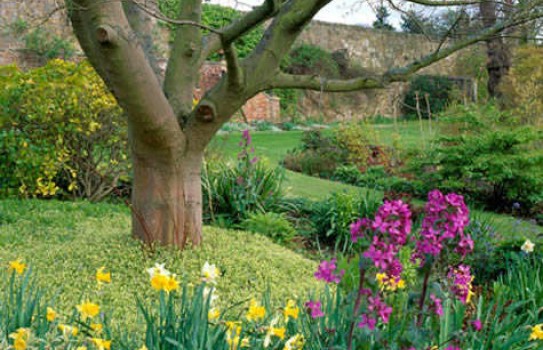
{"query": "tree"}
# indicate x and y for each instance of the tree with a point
(167, 134)
(381, 21)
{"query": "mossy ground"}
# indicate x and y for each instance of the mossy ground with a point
(65, 242)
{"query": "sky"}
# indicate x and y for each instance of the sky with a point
(355, 12)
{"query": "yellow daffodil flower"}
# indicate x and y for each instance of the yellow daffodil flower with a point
(291, 310)
(102, 344)
(274, 331)
(18, 266)
(88, 310)
(97, 327)
(256, 312)
(162, 279)
(20, 338)
(103, 277)
(295, 343)
(68, 330)
(51, 314)
(537, 332)
(143, 347)
(213, 314)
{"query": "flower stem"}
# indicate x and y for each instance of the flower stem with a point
(423, 295)
(356, 308)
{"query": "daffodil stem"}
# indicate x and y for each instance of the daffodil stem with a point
(356, 310)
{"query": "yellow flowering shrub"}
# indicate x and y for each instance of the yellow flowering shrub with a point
(61, 132)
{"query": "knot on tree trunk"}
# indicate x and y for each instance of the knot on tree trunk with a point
(106, 35)
(206, 111)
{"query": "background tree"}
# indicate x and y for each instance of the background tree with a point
(167, 134)
(381, 21)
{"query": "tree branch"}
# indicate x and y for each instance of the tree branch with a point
(182, 72)
(234, 70)
(113, 49)
(242, 26)
(314, 82)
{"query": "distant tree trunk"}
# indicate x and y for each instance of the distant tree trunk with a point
(498, 53)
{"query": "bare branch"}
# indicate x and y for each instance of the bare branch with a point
(179, 22)
(314, 82)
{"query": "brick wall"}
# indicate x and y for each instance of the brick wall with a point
(261, 107)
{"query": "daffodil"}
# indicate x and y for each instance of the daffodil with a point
(68, 330)
(295, 343)
(537, 332)
(88, 310)
(213, 314)
(162, 279)
(274, 331)
(291, 310)
(51, 314)
(102, 344)
(256, 312)
(97, 327)
(143, 347)
(18, 266)
(527, 247)
(103, 277)
(210, 273)
(20, 338)
(211, 294)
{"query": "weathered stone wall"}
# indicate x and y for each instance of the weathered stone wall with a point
(374, 50)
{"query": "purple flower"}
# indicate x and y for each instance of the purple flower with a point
(247, 137)
(381, 309)
(358, 227)
(444, 222)
(254, 160)
(314, 308)
(477, 325)
(436, 306)
(367, 322)
(327, 271)
(461, 279)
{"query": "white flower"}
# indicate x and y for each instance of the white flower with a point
(210, 273)
(527, 247)
(267, 340)
(158, 269)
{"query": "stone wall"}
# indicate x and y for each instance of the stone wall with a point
(374, 50)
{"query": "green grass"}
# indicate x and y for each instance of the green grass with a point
(65, 242)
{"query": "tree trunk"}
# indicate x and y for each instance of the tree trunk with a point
(167, 200)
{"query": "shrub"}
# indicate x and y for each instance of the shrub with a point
(62, 133)
(48, 46)
(233, 191)
(272, 225)
(333, 216)
(489, 157)
(310, 59)
(437, 88)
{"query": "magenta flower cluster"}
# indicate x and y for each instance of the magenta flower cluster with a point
(460, 278)
(315, 308)
(328, 272)
(446, 217)
(377, 309)
(391, 228)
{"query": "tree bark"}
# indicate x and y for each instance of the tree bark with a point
(167, 200)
